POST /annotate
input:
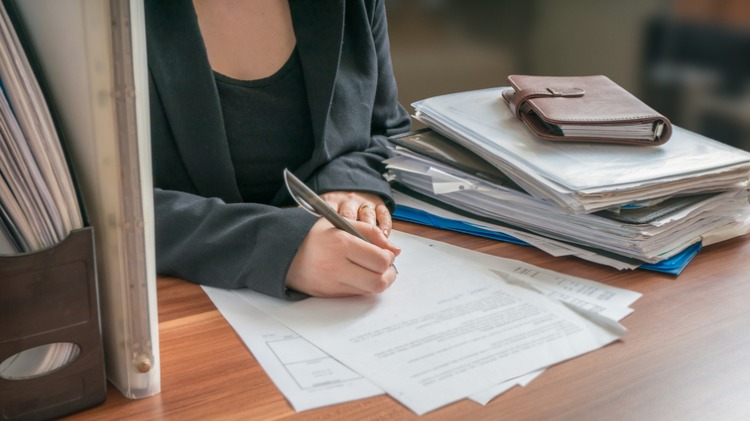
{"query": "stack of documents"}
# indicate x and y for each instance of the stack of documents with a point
(414, 210)
(583, 177)
(457, 324)
(621, 203)
(38, 202)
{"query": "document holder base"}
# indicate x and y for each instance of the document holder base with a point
(50, 297)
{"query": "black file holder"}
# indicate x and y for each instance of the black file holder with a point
(50, 296)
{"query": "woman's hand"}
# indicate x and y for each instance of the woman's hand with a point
(365, 207)
(333, 263)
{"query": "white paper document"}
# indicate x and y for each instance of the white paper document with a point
(485, 396)
(305, 375)
(448, 328)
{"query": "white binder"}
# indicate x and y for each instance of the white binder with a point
(93, 54)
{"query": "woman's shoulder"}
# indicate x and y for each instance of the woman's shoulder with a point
(374, 7)
(371, 8)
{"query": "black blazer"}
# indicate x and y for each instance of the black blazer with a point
(204, 233)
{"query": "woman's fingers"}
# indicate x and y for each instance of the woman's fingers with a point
(333, 263)
(384, 221)
(376, 236)
(365, 207)
(366, 213)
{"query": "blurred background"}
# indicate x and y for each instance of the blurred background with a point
(688, 59)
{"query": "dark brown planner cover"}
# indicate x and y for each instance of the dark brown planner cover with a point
(584, 109)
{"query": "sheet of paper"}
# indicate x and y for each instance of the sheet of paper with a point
(308, 377)
(484, 397)
(447, 329)
(305, 375)
(6, 243)
(590, 296)
(257, 330)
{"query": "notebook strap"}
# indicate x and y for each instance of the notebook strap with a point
(517, 98)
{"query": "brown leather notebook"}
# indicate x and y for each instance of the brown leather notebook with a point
(584, 109)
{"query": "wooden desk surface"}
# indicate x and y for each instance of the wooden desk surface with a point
(686, 355)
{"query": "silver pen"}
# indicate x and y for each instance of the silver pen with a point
(314, 204)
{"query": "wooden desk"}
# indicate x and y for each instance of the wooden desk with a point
(686, 355)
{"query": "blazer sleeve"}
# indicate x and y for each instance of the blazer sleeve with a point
(361, 168)
(228, 245)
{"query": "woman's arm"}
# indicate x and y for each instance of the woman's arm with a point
(360, 171)
(228, 245)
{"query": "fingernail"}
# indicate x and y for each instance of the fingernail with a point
(386, 233)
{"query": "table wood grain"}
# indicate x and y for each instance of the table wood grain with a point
(686, 355)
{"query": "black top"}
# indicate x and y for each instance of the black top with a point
(268, 128)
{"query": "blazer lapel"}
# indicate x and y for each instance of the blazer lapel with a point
(318, 27)
(180, 67)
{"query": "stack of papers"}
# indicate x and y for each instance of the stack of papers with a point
(38, 202)
(457, 324)
(621, 205)
(414, 210)
(583, 177)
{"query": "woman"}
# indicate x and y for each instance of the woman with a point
(241, 90)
